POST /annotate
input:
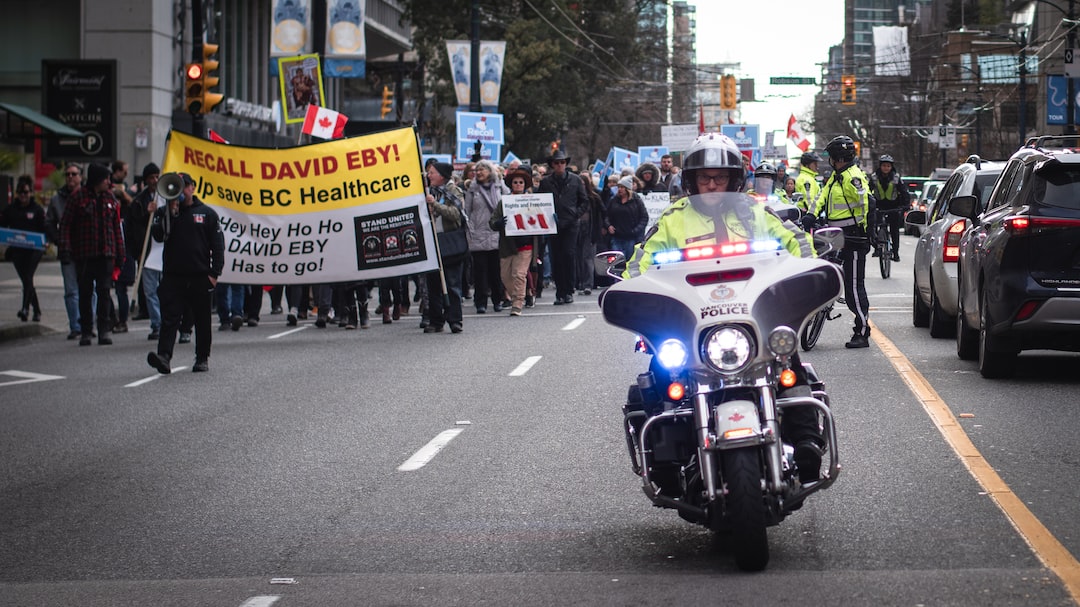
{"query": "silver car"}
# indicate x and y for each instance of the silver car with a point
(934, 296)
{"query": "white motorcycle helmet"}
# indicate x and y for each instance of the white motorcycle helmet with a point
(713, 151)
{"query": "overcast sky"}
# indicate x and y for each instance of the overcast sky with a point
(792, 39)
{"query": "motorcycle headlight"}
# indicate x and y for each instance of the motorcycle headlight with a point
(672, 354)
(728, 348)
(783, 341)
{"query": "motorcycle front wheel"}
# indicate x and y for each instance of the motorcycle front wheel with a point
(744, 507)
(813, 329)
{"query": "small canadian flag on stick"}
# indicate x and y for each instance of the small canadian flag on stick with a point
(325, 123)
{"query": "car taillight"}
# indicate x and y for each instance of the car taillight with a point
(1025, 225)
(950, 253)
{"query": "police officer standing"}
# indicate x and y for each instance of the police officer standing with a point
(806, 183)
(844, 202)
(192, 260)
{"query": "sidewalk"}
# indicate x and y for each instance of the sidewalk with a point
(50, 289)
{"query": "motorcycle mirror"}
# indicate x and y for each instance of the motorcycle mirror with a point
(610, 263)
(828, 239)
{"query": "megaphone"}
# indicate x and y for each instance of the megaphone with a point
(170, 186)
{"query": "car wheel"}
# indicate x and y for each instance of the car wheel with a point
(993, 363)
(940, 324)
(967, 339)
(920, 314)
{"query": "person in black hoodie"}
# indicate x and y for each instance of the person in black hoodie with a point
(192, 261)
(626, 218)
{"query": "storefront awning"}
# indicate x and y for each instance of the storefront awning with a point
(18, 122)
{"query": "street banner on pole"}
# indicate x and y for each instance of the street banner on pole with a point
(339, 211)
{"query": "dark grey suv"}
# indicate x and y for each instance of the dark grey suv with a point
(1019, 269)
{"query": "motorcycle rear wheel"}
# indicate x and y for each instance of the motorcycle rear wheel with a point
(813, 328)
(744, 506)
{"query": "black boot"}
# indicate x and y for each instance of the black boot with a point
(858, 340)
(808, 460)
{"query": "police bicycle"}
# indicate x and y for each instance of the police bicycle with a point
(883, 244)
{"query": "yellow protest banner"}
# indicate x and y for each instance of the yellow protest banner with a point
(344, 210)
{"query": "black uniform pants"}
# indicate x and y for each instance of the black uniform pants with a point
(853, 259)
(180, 292)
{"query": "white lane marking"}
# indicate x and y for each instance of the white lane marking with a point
(27, 377)
(261, 601)
(524, 367)
(428, 451)
(135, 384)
(289, 332)
(573, 324)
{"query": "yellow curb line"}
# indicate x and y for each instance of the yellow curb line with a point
(1043, 543)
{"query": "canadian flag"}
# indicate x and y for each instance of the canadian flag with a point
(527, 222)
(323, 122)
(796, 134)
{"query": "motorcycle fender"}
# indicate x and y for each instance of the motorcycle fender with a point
(736, 419)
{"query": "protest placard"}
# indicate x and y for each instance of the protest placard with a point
(343, 210)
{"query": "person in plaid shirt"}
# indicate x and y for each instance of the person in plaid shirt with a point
(91, 237)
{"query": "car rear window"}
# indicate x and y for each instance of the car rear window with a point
(984, 184)
(1058, 186)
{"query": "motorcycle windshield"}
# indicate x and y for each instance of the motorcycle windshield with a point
(729, 265)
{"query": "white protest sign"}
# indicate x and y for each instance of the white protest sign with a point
(655, 203)
(529, 214)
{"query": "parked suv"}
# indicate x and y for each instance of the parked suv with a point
(934, 295)
(1019, 269)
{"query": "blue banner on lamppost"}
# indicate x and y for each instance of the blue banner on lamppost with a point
(1057, 96)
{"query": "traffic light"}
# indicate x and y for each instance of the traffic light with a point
(198, 78)
(210, 78)
(387, 102)
(858, 149)
(729, 96)
(193, 87)
(847, 89)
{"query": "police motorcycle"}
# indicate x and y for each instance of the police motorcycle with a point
(703, 425)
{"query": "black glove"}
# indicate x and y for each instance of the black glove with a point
(498, 224)
(809, 222)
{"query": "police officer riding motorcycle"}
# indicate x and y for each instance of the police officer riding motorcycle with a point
(726, 426)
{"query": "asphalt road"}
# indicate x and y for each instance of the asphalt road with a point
(275, 479)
